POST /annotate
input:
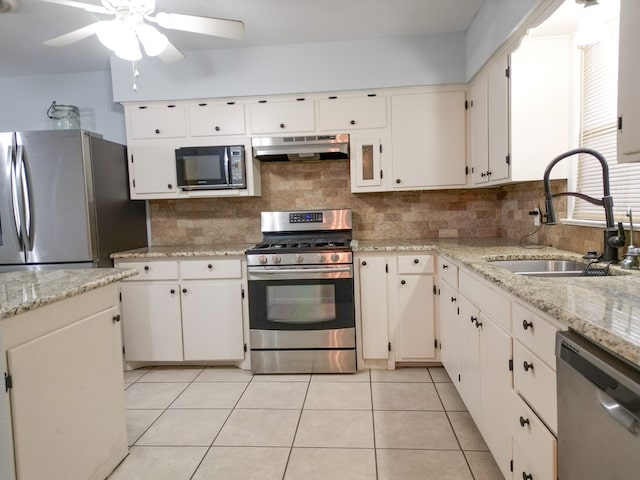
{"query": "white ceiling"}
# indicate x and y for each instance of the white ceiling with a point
(267, 22)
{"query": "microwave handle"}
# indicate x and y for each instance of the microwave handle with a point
(226, 165)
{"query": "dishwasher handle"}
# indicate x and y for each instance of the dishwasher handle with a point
(620, 414)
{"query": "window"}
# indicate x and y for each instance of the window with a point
(598, 130)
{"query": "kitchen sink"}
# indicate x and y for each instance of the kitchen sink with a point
(542, 267)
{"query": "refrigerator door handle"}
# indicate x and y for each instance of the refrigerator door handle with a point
(15, 198)
(27, 218)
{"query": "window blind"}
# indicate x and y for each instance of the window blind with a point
(598, 130)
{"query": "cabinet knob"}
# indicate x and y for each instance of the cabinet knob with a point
(478, 324)
(146, 268)
(527, 366)
(170, 186)
(402, 282)
(209, 266)
(184, 290)
(445, 266)
(482, 174)
(526, 324)
(474, 319)
(523, 421)
(282, 125)
(172, 291)
(217, 128)
(116, 318)
(364, 263)
(157, 131)
(352, 122)
(489, 173)
(398, 180)
(527, 476)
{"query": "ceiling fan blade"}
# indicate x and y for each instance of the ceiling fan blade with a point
(217, 27)
(170, 54)
(74, 36)
(85, 6)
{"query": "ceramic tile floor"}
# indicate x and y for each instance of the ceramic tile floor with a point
(225, 424)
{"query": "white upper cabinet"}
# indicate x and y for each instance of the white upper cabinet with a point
(285, 116)
(428, 138)
(368, 155)
(157, 121)
(628, 77)
(339, 114)
(207, 119)
(152, 169)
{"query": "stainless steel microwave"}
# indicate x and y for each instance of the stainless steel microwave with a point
(208, 168)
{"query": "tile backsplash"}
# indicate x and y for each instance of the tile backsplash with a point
(460, 213)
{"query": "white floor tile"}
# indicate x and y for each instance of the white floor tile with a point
(398, 464)
(338, 396)
(259, 428)
(281, 395)
(331, 463)
(152, 395)
(210, 395)
(131, 376)
(439, 375)
(450, 397)
(224, 374)
(417, 374)
(405, 396)
(483, 466)
(292, 377)
(335, 428)
(171, 374)
(465, 429)
(243, 463)
(138, 421)
(159, 463)
(413, 430)
(193, 427)
(359, 376)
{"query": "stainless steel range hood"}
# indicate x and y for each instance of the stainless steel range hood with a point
(310, 147)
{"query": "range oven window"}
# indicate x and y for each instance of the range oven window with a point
(301, 304)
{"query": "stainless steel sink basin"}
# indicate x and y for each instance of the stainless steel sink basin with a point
(542, 268)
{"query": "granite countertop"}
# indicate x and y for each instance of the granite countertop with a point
(183, 251)
(604, 309)
(25, 290)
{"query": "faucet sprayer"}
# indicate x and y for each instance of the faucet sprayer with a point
(613, 237)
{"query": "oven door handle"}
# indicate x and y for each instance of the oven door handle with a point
(300, 270)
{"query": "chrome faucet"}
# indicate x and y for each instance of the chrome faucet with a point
(613, 237)
(630, 260)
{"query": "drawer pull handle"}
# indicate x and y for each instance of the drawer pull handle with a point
(172, 291)
(146, 268)
(415, 260)
(527, 476)
(209, 266)
(184, 290)
(524, 421)
(402, 282)
(445, 266)
(526, 324)
(454, 299)
(527, 366)
(116, 318)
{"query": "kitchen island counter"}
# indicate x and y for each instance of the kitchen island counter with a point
(603, 309)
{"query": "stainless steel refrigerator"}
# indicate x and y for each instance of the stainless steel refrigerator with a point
(64, 201)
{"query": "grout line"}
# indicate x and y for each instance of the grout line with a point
(295, 433)
(373, 425)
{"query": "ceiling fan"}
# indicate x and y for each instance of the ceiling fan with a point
(132, 27)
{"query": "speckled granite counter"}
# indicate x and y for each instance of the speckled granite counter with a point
(604, 309)
(183, 251)
(26, 290)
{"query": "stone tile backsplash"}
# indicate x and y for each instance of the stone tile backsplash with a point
(460, 213)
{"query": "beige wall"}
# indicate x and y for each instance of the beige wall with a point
(485, 212)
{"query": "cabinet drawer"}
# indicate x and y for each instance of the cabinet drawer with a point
(448, 271)
(283, 117)
(352, 113)
(157, 121)
(152, 270)
(220, 119)
(489, 300)
(415, 264)
(536, 382)
(194, 269)
(536, 443)
(537, 334)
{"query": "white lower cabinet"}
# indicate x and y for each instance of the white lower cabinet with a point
(396, 307)
(198, 315)
(506, 380)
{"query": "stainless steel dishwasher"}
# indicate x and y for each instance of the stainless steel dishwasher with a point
(598, 412)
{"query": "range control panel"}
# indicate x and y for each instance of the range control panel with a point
(305, 217)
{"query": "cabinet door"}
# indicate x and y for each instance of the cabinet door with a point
(469, 379)
(498, 119)
(479, 130)
(496, 391)
(449, 335)
(343, 114)
(217, 119)
(283, 117)
(628, 76)
(68, 408)
(428, 138)
(374, 307)
(152, 170)
(151, 322)
(212, 321)
(415, 328)
(157, 121)
(366, 162)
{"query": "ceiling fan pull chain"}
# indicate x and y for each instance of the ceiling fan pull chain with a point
(135, 74)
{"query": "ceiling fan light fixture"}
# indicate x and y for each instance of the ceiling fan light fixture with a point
(130, 52)
(152, 40)
(592, 28)
(114, 34)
